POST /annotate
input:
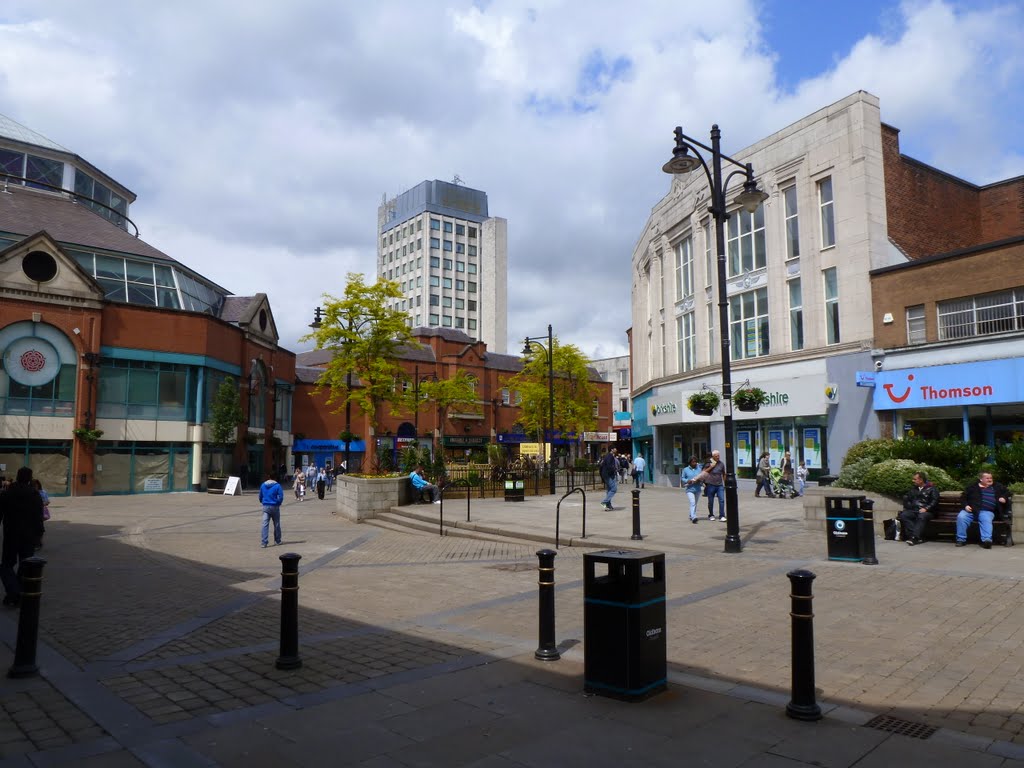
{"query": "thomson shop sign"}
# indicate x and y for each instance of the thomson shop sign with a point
(994, 381)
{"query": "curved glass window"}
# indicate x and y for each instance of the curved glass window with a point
(142, 389)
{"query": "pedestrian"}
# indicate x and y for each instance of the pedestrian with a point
(329, 477)
(609, 469)
(639, 465)
(625, 463)
(310, 475)
(786, 488)
(22, 511)
(343, 467)
(715, 486)
(321, 483)
(271, 497)
(46, 510)
(691, 480)
(300, 485)
(801, 478)
(422, 485)
(764, 475)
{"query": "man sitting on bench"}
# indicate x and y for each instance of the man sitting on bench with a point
(918, 507)
(983, 501)
(422, 486)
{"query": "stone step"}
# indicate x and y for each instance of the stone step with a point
(406, 524)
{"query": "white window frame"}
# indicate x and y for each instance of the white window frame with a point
(684, 268)
(833, 329)
(745, 241)
(916, 325)
(796, 315)
(826, 206)
(686, 342)
(792, 221)
(759, 318)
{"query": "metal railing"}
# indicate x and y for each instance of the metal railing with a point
(558, 512)
(454, 484)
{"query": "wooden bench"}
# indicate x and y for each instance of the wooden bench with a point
(942, 526)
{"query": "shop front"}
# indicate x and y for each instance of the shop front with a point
(460, 448)
(979, 402)
(794, 419)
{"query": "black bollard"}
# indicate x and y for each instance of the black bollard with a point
(546, 650)
(289, 655)
(867, 533)
(802, 706)
(30, 572)
(636, 515)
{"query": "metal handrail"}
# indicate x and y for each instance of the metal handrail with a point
(558, 512)
(455, 484)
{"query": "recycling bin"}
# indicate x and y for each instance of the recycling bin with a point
(624, 624)
(515, 488)
(843, 519)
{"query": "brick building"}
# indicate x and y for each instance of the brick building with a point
(854, 241)
(101, 332)
(439, 353)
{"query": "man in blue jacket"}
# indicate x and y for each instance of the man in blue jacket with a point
(271, 497)
(420, 483)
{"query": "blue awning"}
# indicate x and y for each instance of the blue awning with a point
(327, 446)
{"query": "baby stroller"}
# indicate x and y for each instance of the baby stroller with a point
(782, 488)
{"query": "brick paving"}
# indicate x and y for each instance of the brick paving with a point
(160, 621)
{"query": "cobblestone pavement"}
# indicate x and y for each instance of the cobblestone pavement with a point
(160, 621)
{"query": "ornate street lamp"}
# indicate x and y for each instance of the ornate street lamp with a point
(549, 350)
(317, 322)
(749, 199)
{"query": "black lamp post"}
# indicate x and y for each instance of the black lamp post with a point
(550, 352)
(749, 199)
(417, 380)
(317, 322)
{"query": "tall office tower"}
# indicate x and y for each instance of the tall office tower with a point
(450, 258)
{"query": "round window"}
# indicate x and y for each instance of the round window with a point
(39, 266)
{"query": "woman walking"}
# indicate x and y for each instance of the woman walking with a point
(764, 475)
(691, 480)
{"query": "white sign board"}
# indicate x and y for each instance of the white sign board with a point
(233, 486)
(153, 484)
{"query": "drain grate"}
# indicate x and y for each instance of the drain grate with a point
(902, 727)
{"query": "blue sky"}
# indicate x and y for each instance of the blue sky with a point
(260, 136)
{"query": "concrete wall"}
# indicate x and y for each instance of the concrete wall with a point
(360, 498)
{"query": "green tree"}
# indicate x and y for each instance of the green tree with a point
(365, 333)
(226, 415)
(573, 393)
(447, 394)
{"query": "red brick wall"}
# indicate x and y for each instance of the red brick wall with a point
(930, 212)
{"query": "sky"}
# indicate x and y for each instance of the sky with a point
(261, 136)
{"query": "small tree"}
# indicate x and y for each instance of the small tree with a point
(226, 414)
(446, 394)
(365, 333)
(574, 394)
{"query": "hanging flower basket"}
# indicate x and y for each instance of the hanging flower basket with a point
(749, 398)
(87, 435)
(703, 403)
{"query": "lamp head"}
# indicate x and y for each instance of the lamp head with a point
(526, 349)
(317, 318)
(751, 197)
(682, 161)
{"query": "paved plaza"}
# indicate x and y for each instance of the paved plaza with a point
(160, 625)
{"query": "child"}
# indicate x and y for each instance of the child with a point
(801, 478)
(300, 485)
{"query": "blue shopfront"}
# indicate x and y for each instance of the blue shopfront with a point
(979, 402)
(321, 453)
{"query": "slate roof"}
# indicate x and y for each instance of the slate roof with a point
(235, 307)
(27, 211)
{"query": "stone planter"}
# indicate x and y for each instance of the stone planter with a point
(360, 498)
(885, 509)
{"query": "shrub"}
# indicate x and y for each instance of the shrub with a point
(876, 450)
(958, 458)
(1010, 462)
(893, 477)
(1017, 489)
(852, 475)
(409, 458)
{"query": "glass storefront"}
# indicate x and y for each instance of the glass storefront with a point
(137, 467)
(50, 461)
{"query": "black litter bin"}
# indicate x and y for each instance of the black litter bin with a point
(624, 623)
(843, 518)
(515, 488)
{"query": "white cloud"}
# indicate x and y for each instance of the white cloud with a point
(260, 136)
